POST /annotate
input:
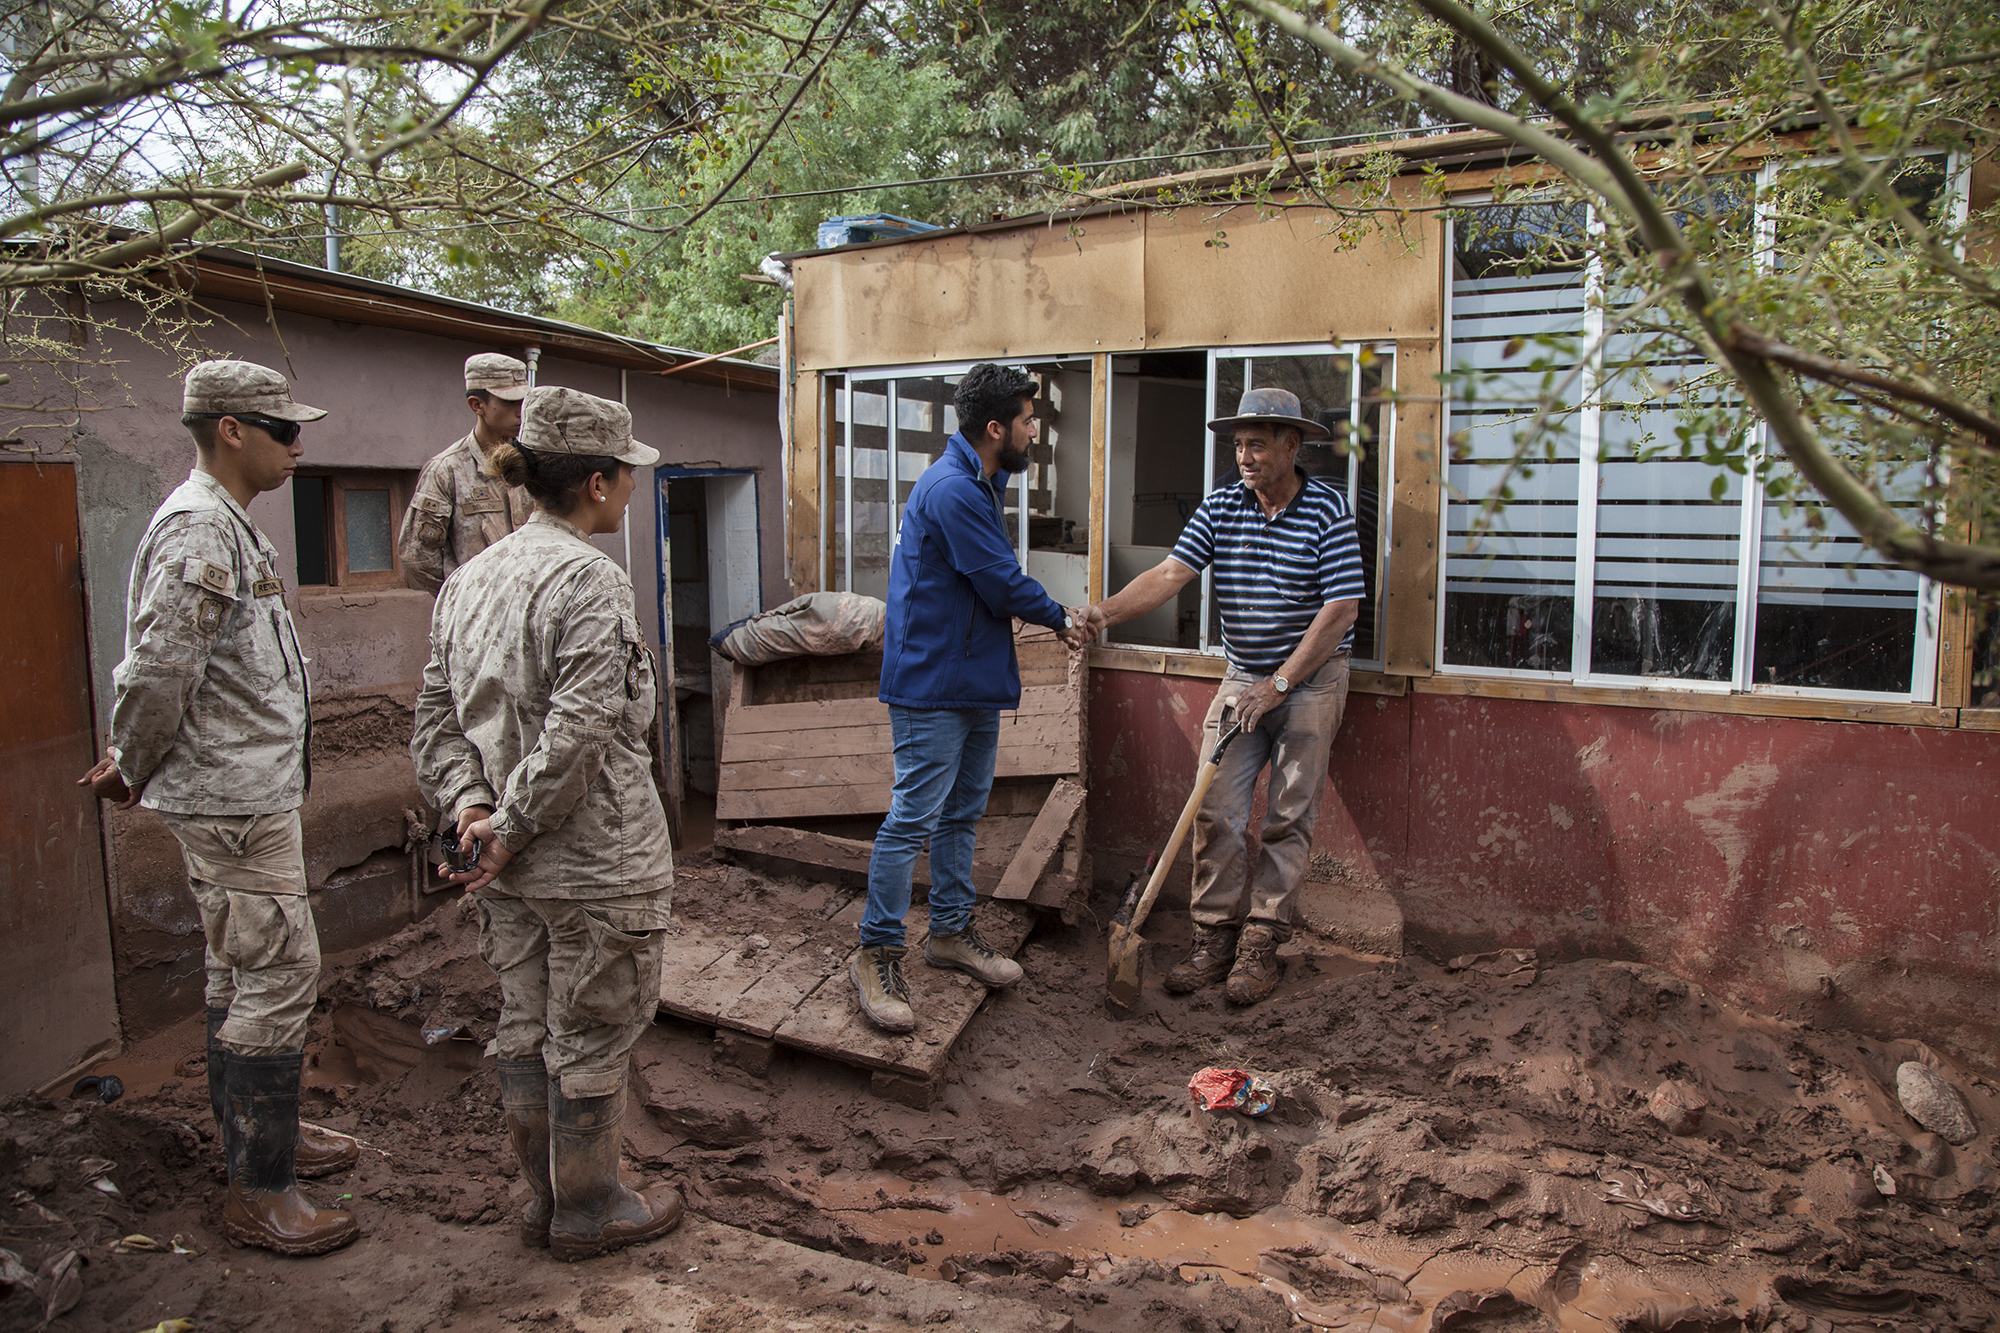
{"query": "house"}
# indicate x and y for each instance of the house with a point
(1629, 718)
(103, 934)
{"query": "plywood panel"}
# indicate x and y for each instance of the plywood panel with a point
(809, 417)
(1223, 277)
(1411, 586)
(1037, 290)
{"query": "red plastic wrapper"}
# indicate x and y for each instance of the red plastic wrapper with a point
(1218, 1089)
(1232, 1090)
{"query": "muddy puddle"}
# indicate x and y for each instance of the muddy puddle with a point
(1328, 1275)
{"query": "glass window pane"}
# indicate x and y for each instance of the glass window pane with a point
(1669, 522)
(369, 540)
(1155, 461)
(1985, 651)
(309, 528)
(859, 531)
(1511, 511)
(1831, 613)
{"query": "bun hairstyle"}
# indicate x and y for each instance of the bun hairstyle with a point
(554, 480)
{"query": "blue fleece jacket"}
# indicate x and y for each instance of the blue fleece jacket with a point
(955, 588)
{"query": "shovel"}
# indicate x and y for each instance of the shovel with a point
(1124, 973)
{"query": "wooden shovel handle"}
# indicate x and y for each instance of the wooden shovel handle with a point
(1201, 781)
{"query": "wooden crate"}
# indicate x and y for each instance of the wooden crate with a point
(807, 766)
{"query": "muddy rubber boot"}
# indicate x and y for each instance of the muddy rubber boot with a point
(877, 973)
(322, 1151)
(594, 1213)
(263, 1206)
(524, 1109)
(218, 1074)
(1257, 968)
(967, 952)
(1214, 954)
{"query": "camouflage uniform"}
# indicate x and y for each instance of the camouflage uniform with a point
(460, 508)
(212, 714)
(535, 705)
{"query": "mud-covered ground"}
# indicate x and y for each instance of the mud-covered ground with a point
(1470, 1147)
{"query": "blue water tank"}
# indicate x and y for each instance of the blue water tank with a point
(868, 227)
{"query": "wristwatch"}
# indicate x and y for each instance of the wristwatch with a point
(1281, 685)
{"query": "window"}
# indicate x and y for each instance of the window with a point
(346, 523)
(895, 423)
(1616, 549)
(1162, 460)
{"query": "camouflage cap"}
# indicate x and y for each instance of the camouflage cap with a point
(232, 387)
(501, 376)
(558, 420)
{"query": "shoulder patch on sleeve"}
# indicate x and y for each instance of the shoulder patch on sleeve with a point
(207, 574)
(431, 504)
(208, 617)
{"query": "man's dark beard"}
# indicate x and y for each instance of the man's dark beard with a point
(1012, 459)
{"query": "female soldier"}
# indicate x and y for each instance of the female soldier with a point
(531, 735)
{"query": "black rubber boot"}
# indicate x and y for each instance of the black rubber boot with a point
(261, 1135)
(321, 1151)
(524, 1108)
(595, 1214)
(218, 1069)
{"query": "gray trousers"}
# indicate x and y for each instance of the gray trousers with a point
(579, 981)
(1294, 739)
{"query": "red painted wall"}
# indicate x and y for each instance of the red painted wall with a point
(1839, 870)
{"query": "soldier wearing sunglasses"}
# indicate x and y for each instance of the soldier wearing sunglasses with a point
(208, 729)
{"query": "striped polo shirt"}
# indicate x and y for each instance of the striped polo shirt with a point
(1272, 577)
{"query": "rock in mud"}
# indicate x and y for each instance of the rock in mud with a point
(1933, 1103)
(1678, 1106)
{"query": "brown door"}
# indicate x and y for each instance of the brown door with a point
(56, 1000)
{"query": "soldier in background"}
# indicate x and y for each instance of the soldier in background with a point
(461, 506)
(208, 730)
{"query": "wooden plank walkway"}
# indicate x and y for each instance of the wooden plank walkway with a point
(795, 990)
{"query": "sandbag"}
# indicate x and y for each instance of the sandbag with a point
(819, 624)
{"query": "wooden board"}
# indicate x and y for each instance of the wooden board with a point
(1000, 838)
(1046, 834)
(1007, 294)
(1410, 556)
(798, 994)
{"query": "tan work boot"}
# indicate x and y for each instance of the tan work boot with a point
(594, 1212)
(321, 1151)
(1257, 968)
(524, 1110)
(1214, 952)
(969, 953)
(261, 1134)
(878, 981)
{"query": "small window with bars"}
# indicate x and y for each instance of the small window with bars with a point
(346, 523)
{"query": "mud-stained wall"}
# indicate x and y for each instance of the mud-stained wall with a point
(395, 398)
(1841, 871)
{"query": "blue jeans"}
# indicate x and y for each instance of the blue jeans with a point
(944, 772)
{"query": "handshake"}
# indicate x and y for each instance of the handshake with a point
(1085, 624)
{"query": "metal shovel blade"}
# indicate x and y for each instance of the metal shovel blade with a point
(1123, 974)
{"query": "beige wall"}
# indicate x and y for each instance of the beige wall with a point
(1193, 277)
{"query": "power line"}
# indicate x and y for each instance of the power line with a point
(834, 191)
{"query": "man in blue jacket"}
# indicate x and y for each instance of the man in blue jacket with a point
(948, 669)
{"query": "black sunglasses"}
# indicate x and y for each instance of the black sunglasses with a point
(284, 432)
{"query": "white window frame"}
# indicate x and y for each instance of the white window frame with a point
(1751, 503)
(890, 375)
